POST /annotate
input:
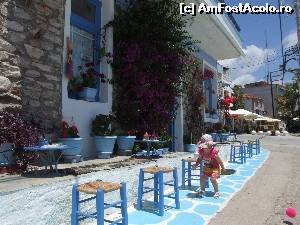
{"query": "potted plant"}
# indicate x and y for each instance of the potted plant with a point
(164, 147)
(69, 136)
(15, 134)
(125, 142)
(189, 143)
(105, 142)
(89, 82)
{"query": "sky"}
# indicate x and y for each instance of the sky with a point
(255, 30)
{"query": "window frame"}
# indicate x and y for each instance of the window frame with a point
(94, 29)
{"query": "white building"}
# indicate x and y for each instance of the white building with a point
(219, 39)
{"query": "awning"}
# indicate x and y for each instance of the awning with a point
(242, 113)
(268, 119)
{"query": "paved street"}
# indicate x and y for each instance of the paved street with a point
(274, 187)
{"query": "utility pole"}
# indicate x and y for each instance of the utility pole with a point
(272, 95)
(281, 40)
(298, 23)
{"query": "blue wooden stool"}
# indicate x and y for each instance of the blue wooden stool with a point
(188, 171)
(98, 188)
(158, 188)
(256, 146)
(248, 148)
(238, 152)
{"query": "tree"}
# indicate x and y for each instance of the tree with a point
(288, 101)
(238, 94)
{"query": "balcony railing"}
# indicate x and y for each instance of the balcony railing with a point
(231, 18)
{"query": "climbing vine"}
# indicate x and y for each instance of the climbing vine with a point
(194, 99)
(150, 43)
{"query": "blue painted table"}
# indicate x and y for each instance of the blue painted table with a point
(149, 143)
(51, 154)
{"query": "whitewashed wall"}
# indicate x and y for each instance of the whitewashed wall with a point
(82, 111)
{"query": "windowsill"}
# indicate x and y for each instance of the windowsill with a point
(86, 102)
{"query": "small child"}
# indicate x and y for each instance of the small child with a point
(212, 164)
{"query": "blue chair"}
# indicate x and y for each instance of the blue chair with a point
(98, 188)
(188, 171)
(158, 189)
(238, 153)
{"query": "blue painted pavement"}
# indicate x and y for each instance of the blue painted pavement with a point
(195, 210)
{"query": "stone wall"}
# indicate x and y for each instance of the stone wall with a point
(31, 48)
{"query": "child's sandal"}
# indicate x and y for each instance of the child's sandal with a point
(217, 195)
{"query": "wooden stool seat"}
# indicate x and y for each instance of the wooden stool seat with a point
(236, 144)
(190, 159)
(92, 187)
(156, 169)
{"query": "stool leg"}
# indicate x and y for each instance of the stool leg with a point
(244, 156)
(140, 189)
(189, 174)
(161, 193)
(231, 151)
(176, 190)
(183, 173)
(75, 205)
(100, 207)
(155, 189)
(234, 153)
(124, 204)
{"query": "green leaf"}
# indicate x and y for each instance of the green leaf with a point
(102, 52)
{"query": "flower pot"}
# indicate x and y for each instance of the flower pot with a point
(88, 94)
(74, 150)
(190, 148)
(105, 146)
(6, 155)
(125, 144)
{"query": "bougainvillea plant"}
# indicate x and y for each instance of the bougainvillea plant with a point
(67, 131)
(194, 100)
(21, 133)
(148, 64)
(208, 74)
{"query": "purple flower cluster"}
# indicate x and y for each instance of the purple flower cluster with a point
(149, 76)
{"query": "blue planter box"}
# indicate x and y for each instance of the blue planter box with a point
(190, 148)
(6, 155)
(125, 144)
(88, 94)
(105, 146)
(74, 144)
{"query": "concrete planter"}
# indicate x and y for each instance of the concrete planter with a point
(125, 144)
(88, 94)
(190, 147)
(73, 153)
(6, 155)
(105, 146)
